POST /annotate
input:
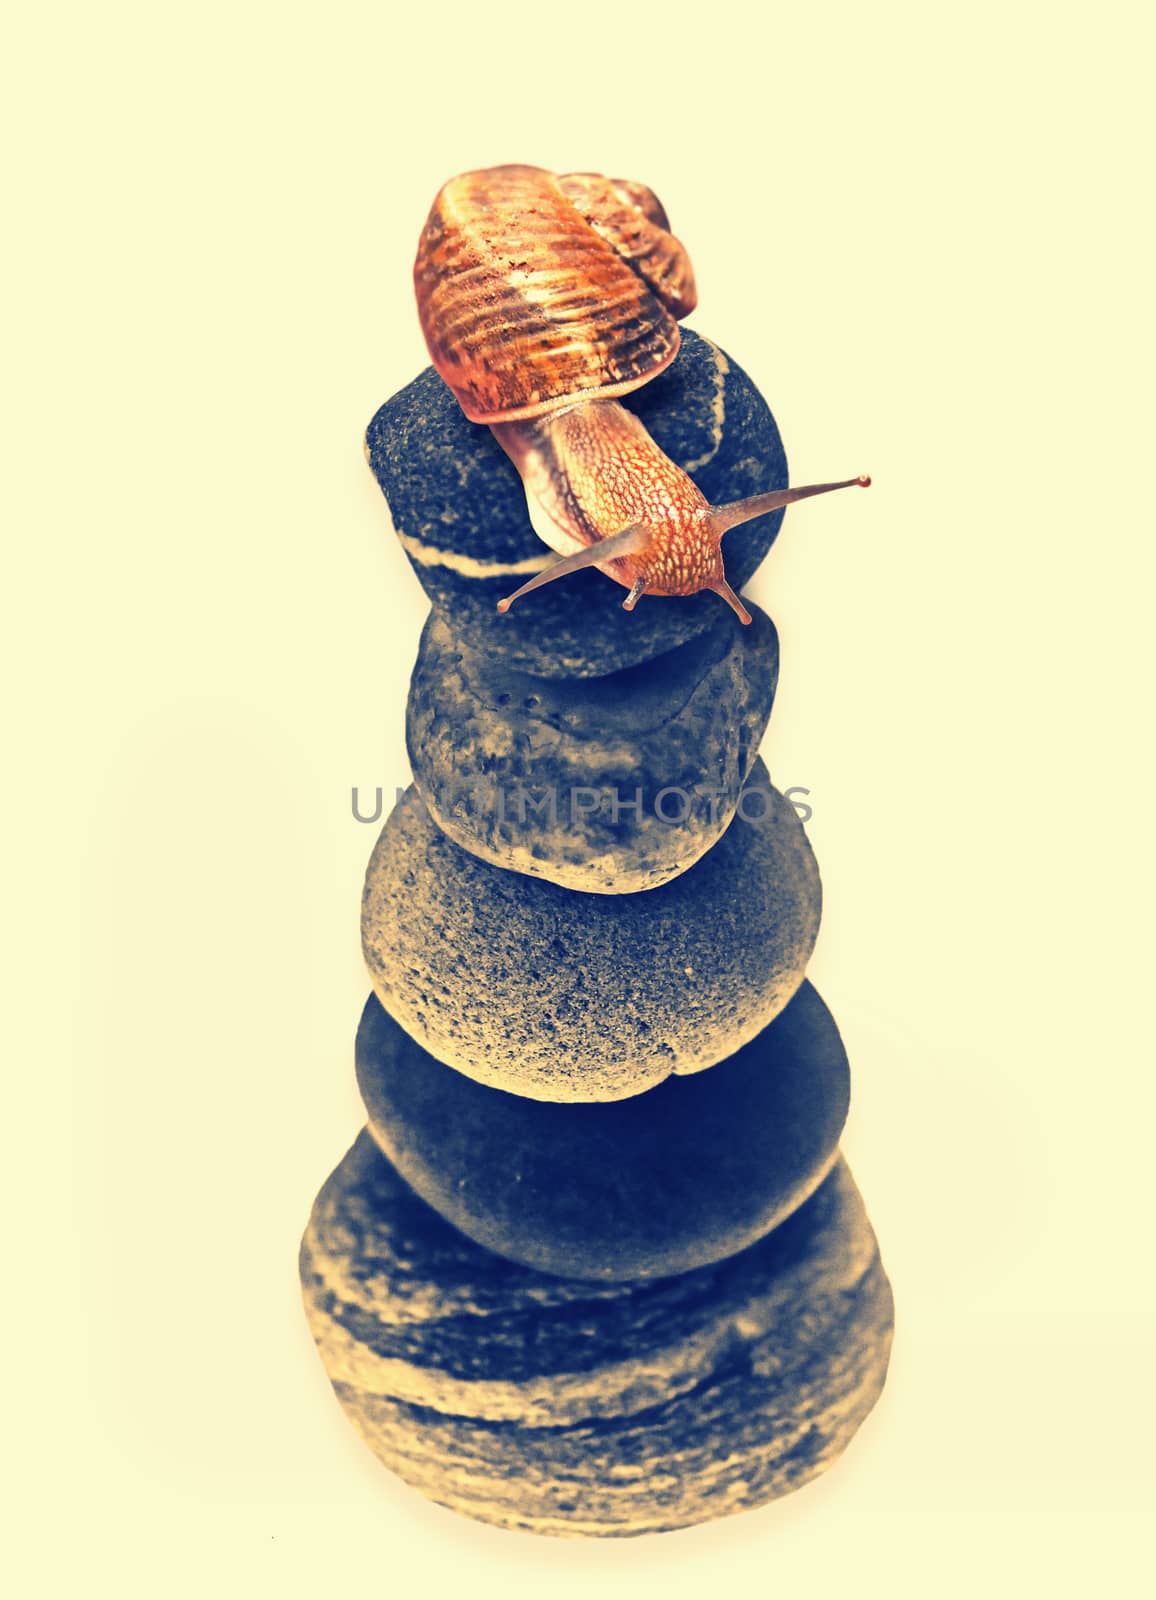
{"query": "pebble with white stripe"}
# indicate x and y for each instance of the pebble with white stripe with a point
(460, 512)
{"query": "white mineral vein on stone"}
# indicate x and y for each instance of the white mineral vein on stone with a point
(428, 555)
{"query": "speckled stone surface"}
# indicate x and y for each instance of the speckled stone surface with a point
(460, 511)
(547, 992)
(558, 1406)
(691, 1172)
(609, 785)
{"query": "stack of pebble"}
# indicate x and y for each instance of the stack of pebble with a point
(596, 1265)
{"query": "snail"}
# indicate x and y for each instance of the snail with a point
(544, 299)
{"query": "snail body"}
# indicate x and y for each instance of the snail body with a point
(543, 301)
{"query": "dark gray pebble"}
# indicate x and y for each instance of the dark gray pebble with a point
(689, 1173)
(560, 995)
(460, 510)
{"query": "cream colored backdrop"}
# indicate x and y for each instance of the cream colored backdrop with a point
(924, 233)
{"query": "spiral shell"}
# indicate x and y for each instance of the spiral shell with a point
(536, 291)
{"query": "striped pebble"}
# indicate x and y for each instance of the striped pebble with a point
(557, 1406)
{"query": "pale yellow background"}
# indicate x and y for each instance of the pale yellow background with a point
(925, 234)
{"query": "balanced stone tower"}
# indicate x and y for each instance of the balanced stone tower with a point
(596, 1265)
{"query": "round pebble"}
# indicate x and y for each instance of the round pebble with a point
(558, 1406)
(608, 785)
(459, 508)
(558, 995)
(689, 1173)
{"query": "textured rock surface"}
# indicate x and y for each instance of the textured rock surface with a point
(506, 762)
(460, 511)
(559, 1406)
(558, 995)
(692, 1172)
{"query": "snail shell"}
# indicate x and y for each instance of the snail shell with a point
(544, 299)
(536, 291)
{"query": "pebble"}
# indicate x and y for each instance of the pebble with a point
(562, 1407)
(460, 512)
(608, 785)
(689, 1173)
(559, 995)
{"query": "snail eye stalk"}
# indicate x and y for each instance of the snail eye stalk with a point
(723, 518)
